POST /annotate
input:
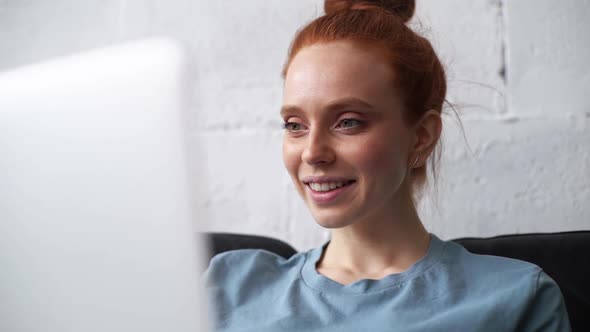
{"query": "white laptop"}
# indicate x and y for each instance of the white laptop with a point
(96, 228)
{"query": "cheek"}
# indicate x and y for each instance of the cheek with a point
(380, 157)
(291, 158)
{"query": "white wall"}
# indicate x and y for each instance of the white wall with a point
(518, 75)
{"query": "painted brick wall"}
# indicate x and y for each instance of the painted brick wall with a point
(518, 76)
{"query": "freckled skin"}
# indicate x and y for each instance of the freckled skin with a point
(375, 154)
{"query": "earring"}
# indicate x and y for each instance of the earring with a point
(415, 162)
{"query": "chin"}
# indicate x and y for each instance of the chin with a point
(330, 220)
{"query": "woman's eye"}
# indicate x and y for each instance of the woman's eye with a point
(292, 126)
(349, 123)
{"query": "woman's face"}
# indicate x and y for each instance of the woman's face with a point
(346, 146)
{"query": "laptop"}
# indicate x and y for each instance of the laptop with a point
(96, 226)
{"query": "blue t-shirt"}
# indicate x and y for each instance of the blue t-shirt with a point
(449, 289)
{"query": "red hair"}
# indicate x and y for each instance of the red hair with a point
(382, 23)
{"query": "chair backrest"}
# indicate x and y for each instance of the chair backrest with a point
(222, 242)
(565, 257)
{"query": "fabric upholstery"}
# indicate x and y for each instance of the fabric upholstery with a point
(563, 256)
(222, 242)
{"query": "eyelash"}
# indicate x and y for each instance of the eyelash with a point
(286, 125)
(359, 122)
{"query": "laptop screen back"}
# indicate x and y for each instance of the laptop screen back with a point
(96, 229)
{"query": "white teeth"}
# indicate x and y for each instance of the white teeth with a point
(326, 186)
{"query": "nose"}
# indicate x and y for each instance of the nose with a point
(318, 149)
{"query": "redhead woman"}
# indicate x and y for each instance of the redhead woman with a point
(363, 97)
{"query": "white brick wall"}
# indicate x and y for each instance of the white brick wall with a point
(517, 70)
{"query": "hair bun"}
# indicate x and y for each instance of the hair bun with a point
(404, 9)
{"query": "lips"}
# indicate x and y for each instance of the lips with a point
(324, 190)
(327, 186)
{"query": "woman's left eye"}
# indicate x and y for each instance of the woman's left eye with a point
(349, 123)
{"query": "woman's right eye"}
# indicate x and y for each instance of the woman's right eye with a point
(293, 126)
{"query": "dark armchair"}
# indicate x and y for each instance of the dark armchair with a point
(564, 256)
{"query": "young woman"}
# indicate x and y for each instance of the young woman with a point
(363, 97)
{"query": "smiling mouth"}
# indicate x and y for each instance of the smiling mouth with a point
(328, 186)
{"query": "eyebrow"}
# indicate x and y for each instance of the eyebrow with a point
(334, 105)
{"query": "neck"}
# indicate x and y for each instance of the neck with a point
(378, 246)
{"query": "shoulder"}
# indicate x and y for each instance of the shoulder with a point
(252, 258)
(520, 289)
(250, 266)
(249, 278)
(490, 267)
(546, 310)
(494, 278)
(245, 257)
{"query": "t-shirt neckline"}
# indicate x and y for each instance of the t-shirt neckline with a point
(322, 283)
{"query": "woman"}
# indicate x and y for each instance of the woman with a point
(363, 97)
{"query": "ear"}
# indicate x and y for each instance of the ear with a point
(427, 133)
